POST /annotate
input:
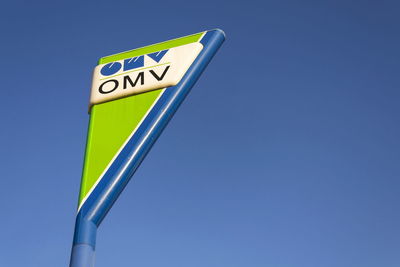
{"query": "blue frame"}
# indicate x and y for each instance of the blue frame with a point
(106, 192)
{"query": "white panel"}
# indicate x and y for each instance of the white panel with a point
(146, 77)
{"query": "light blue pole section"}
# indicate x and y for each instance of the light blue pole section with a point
(82, 255)
(83, 248)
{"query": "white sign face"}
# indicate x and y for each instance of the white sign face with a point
(142, 73)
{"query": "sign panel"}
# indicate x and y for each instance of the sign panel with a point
(142, 73)
(125, 88)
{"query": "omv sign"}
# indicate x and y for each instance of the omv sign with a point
(142, 73)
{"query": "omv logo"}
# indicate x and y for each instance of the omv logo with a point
(130, 63)
(140, 73)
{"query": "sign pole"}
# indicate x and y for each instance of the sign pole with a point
(99, 194)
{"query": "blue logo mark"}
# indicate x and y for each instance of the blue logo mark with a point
(131, 63)
(157, 56)
(110, 68)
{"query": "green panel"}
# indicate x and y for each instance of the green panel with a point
(152, 48)
(111, 123)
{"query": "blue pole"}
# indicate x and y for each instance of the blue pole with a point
(82, 255)
(110, 187)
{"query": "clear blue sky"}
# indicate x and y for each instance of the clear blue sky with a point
(285, 154)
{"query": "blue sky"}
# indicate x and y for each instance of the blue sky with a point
(285, 154)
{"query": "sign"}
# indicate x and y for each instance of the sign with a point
(134, 95)
(142, 73)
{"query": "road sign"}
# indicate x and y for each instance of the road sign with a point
(133, 96)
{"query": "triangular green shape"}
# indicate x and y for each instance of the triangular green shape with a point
(111, 124)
